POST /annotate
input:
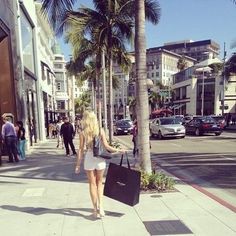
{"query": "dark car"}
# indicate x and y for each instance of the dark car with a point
(122, 127)
(201, 125)
(220, 120)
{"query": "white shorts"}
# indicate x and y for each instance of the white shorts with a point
(93, 163)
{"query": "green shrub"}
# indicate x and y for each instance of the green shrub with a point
(156, 181)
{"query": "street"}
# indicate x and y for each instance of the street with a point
(207, 162)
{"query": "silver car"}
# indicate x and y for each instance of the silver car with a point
(167, 127)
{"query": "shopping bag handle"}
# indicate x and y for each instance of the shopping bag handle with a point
(121, 160)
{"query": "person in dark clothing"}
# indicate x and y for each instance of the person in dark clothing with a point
(67, 131)
(21, 139)
(10, 139)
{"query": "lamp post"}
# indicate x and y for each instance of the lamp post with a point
(203, 70)
(223, 90)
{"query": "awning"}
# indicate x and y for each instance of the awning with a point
(162, 110)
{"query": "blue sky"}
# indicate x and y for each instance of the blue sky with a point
(188, 19)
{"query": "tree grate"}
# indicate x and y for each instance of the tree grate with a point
(166, 227)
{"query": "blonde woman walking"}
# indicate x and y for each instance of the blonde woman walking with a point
(94, 166)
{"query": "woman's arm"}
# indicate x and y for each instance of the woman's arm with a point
(80, 153)
(107, 146)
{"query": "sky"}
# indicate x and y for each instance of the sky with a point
(187, 19)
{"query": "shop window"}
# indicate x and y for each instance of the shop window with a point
(27, 42)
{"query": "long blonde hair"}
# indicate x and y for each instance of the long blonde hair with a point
(90, 126)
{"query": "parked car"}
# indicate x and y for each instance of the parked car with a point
(123, 127)
(201, 125)
(167, 127)
(220, 120)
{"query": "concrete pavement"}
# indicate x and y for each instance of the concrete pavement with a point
(43, 197)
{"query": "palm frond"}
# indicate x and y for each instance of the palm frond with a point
(55, 10)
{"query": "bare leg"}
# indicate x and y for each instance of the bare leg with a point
(99, 178)
(91, 174)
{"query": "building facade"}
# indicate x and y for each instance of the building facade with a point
(194, 49)
(162, 64)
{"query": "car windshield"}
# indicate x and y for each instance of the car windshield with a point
(123, 123)
(218, 118)
(169, 121)
(207, 120)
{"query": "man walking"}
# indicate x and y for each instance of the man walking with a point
(68, 133)
(9, 138)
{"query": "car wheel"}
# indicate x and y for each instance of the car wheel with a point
(217, 133)
(197, 132)
(160, 135)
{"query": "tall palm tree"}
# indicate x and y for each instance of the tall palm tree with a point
(109, 25)
(142, 95)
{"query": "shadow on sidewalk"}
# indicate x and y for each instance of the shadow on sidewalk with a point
(62, 211)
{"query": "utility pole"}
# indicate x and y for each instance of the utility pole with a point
(203, 91)
(223, 90)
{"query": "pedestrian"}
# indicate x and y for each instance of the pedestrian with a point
(21, 139)
(94, 166)
(9, 138)
(50, 129)
(67, 132)
(229, 119)
(59, 136)
(135, 138)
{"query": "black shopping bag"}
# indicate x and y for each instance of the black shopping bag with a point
(122, 184)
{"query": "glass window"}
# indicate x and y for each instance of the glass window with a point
(59, 76)
(27, 42)
(60, 104)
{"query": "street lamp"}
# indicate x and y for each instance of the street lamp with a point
(203, 70)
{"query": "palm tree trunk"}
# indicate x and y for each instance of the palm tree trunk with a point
(110, 100)
(99, 97)
(110, 87)
(104, 91)
(141, 89)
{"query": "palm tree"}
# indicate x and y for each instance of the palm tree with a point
(109, 26)
(142, 95)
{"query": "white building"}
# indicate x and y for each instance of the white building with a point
(62, 84)
(46, 75)
(162, 64)
(120, 95)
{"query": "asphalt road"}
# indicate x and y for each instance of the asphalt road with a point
(208, 162)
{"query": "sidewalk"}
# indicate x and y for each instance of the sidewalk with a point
(43, 197)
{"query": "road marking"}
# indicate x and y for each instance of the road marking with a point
(33, 192)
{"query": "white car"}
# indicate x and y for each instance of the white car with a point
(167, 127)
